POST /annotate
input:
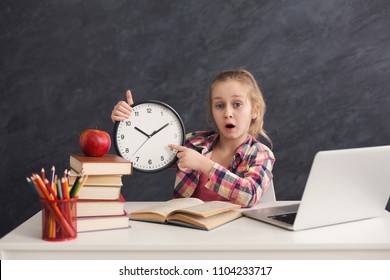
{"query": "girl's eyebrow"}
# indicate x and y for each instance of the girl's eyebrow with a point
(217, 98)
(234, 96)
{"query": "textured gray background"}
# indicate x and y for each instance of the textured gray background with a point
(324, 67)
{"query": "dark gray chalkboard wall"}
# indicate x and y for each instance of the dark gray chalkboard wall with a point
(324, 67)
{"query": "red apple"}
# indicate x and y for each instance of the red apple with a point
(94, 142)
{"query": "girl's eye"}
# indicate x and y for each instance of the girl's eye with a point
(236, 104)
(219, 106)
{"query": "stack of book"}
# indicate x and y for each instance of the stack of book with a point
(100, 204)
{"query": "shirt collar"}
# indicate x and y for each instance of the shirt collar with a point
(242, 151)
(208, 145)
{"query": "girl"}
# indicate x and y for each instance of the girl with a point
(229, 164)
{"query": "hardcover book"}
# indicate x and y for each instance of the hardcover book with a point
(99, 192)
(87, 207)
(102, 223)
(98, 180)
(189, 212)
(109, 164)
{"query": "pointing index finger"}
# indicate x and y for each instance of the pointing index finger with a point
(176, 147)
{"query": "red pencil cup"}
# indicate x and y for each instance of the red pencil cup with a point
(59, 219)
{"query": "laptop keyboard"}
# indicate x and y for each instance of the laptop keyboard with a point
(287, 218)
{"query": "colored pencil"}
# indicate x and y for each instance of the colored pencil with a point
(67, 188)
(53, 171)
(42, 187)
(81, 185)
(75, 186)
(68, 177)
(54, 186)
(36, 186)
(43, 174)
(65, 173)
(48, 186)
(30, 182)
(59, 190)
(65, 193)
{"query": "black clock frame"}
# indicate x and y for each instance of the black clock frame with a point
(182, 141)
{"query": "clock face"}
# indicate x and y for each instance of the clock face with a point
(144, 137)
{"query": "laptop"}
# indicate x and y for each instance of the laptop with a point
(343, 186)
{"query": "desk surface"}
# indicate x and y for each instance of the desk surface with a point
(241, 239)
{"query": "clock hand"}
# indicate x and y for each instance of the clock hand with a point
(144, 133)
(149, 136)
(141, 146)
(158, 130)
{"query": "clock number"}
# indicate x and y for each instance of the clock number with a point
(162, 113)
(136, 114)
(150, 162)
(175, 135)
(122, 136)
(162, 158)
(149, 110)
(137, 158)
(128, 123)
(127, 150)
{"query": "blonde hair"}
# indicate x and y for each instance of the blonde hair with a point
(254, 94)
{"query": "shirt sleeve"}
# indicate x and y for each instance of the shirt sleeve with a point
(247, 184)
(187, 179)
(185, 183)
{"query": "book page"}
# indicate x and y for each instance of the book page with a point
(166, 207)
(204, 223)
(208, 209)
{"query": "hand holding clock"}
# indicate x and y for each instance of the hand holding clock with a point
(123, 110)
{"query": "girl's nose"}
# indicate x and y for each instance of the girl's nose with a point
(228, 112)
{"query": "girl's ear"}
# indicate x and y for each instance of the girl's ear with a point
(255, 112)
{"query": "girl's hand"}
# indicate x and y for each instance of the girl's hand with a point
(191, 159)
(123, 110)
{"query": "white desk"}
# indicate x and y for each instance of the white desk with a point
(241, 239)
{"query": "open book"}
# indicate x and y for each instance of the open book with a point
(190, 212)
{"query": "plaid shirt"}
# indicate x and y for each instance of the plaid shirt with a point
(248, 176)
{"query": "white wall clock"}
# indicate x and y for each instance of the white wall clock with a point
(145, 136)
